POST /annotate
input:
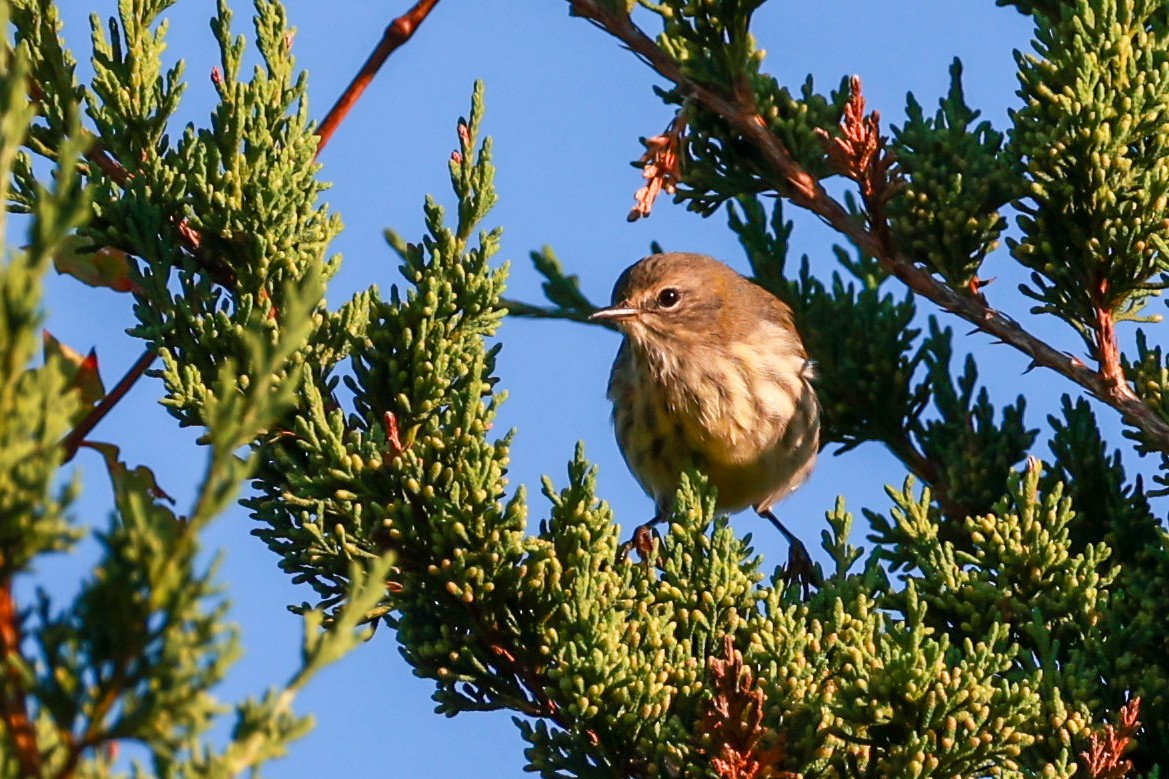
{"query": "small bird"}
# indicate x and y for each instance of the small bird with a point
(711, 373)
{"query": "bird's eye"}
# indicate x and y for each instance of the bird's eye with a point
(669, 297)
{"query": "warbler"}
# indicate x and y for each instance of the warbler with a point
(711, 372)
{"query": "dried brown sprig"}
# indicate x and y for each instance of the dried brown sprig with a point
(733, 735)
(393, 434)
(1104, 758)
(861, 153)
(660, 167)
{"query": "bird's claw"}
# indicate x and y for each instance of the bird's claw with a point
(800, 568)
(642, 541)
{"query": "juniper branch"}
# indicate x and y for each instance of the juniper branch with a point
(798, 185)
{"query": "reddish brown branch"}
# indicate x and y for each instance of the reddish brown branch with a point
(1107, 348)
(94, 734)
(804, 190)
(513, 660)
(526, 675)
(73, 441)
(927, 470)
(108, 165)
(13, 708)
(397, 33)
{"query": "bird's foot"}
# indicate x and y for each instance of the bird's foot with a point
(642, 541)
(800, 568)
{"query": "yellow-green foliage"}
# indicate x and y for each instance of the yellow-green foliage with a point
(999, 617)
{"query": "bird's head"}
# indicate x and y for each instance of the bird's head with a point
(681, 300)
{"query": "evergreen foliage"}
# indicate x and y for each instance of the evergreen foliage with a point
(135, 655)
(1011, 606)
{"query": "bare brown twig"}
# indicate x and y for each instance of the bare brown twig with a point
(799, 186)
(397, 33)
(108, 165)
(73, 441)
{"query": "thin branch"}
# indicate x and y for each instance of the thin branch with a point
(105, 162)
(927, 470)
(527, 678)
(73, 441)
(805, 191)
(397, 33)
(13, 708)
(519, 308)
(95, 733)
(1107, 348)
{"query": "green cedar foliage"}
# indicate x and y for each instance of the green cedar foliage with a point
(134, 655)
(1037, 582)
(1008, 607)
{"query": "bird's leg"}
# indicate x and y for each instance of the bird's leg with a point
(799, 562)
(643, 535)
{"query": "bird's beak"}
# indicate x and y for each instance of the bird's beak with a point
(612, 313)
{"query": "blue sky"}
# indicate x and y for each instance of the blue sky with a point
(566, 106)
